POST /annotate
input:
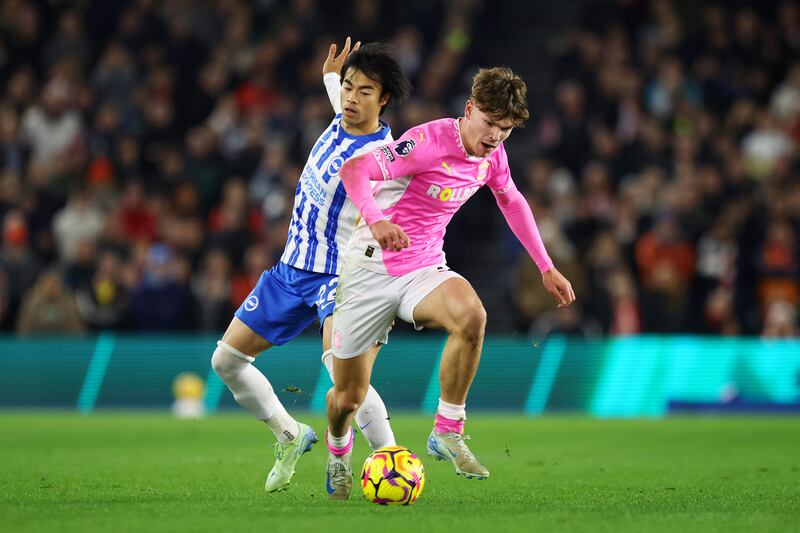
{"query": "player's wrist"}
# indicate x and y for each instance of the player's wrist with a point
(371, 221)
(373, 215)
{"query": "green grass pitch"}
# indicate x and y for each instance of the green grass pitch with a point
(148, 472)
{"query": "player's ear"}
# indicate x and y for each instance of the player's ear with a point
(468, 109)
(384, 99)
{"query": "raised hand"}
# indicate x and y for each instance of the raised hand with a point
(333, 63)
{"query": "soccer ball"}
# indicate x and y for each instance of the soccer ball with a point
(392, 476)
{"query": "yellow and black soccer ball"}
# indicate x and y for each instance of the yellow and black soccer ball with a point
(392, 476)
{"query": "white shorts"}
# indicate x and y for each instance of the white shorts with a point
(367, 303)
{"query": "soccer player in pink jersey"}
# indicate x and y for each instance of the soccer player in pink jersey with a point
(395, 267)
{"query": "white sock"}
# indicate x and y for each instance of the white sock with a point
(252, 390)
(340, 442)
(372, 417)
(452, 411)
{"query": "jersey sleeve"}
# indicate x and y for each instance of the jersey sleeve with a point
(333, 87)
(500, 180)
(411, 154)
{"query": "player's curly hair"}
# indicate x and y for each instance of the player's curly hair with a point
(377, 62)
(500, 93)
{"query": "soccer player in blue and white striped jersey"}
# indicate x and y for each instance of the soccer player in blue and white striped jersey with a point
(302, 286)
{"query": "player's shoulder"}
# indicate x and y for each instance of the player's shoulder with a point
(429, 135)
(438, 127)
(499, 156)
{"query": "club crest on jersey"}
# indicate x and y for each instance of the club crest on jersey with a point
(335, 166)
(251, 303)
(403, 148)
(482, 170)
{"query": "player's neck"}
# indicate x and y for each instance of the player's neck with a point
(467, 148)
(365, 128)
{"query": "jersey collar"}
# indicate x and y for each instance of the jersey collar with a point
(460, 141)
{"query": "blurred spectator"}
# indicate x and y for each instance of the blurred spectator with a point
(232, 223)
(666, 265)
(115, 76)
(778, 266)
(256, 261)
(781, 320)
(5, 299)
(203, 166)
(103, 302)
(69, 43)
(49, 307)
(80, 220)
(785, 100)
(211, 290)
(18, 263)
(137, 219)
(565, 135)
(14, 155)
(52, 128)
(765, 145)
(161, 299)
(669, 89)
(714, 287)
(624, 309)
(79, 271)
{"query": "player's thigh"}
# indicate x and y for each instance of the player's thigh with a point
(448, 306)
(327, 332)
(366, 305)
(276, 310)
(240, 336)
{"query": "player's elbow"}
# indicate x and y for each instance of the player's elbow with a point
(512, 201)
(350, 168)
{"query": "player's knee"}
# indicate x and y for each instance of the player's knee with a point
(348, 401)
(219, 362)
(227, 360)
(471, 323)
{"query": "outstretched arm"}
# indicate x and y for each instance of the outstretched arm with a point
(518, 215)
(332, 70)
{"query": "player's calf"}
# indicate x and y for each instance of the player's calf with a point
(372, 417)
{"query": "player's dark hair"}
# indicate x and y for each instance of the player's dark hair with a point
(377, 62)
(500, 93)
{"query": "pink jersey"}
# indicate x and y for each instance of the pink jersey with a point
(428, 176)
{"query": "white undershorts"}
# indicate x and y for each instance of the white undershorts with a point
(368, 302)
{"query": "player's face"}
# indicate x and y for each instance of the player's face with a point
(481, 133)
(361, 100)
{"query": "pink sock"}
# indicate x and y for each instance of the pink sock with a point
(339, 451)
(447, 425)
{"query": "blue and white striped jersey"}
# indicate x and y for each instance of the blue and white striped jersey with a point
(324, 217)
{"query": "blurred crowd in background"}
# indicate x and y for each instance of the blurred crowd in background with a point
(149, 153)
(667, 180)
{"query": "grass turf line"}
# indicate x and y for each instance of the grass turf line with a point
(137, 472)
